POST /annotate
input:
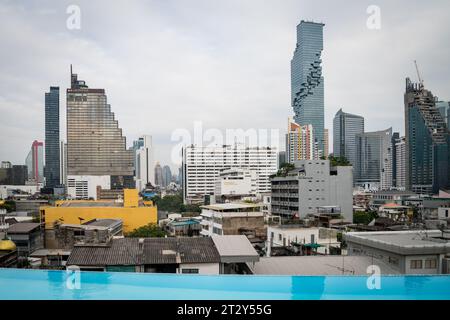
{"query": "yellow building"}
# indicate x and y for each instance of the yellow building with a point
(133, 212)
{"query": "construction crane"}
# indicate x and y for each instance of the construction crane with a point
(418, 74)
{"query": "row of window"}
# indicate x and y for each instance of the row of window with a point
(418, 264)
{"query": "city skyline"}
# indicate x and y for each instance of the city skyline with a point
(218, 68)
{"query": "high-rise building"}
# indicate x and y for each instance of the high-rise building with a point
(96, 147)
(427, 142)
(63, 163)
(52, 154)
(144, 162)
(167, 176)
(326, 143)
(444, 110)
(345, 128)
(35, 163)
(307, 84)
(395, 140)
(15, 175)
(300, 144)
(159, 179)
(202, 166)
(400, 164)
(373, 168)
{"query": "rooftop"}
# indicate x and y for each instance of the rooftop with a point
(231, 206)
(23, 227)
(318, 265)
(403, 242)
(129, 251)
(235, 248)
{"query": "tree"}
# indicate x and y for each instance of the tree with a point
(339, 161)
(284, 170)
(151, 230)
(363, 217)
(8, 205)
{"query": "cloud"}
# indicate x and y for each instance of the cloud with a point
(166, 64)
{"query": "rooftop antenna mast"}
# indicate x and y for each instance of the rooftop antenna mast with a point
(418, 74)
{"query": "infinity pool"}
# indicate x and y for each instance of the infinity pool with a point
(51, 285)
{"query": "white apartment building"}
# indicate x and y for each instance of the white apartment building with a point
(236, 182)
(400, 149)
(202, 166)
(85, 187)
(313, 184)
(145, 164)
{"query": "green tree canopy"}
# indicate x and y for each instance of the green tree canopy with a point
(151, 230)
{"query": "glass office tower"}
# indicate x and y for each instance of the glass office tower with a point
(345, 128)
(52, 161)
(307, 87)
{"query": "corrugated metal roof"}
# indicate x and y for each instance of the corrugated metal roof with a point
(126, 251)
(23, 227)
(121, 252)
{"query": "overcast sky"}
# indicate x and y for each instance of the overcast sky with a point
(165, 64)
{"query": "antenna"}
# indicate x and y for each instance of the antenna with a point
(418, 74)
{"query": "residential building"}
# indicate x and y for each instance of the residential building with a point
(300, 144)
(27, 236)
(345, 128)
(35, 163)
(233, 219)
(202, 166)
(427, 142)
(52, 143)
(217, 255)
(400, 164)
(383, 197)
(236, 183)
(6, 165)
(131, 210)
(373, 168)
(307, 83)
(295, 236)
(408, 252)
(96, 146)
(96, 231)
(183, 227)
(144, 162)
(313, 184)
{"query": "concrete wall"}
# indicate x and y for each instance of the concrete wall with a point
(203, 268)
(132, 217)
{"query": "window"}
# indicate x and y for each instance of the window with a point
(416, 264)
(189, 271)
(430, 264)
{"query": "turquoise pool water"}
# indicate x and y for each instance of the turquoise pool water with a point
(50, 285)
